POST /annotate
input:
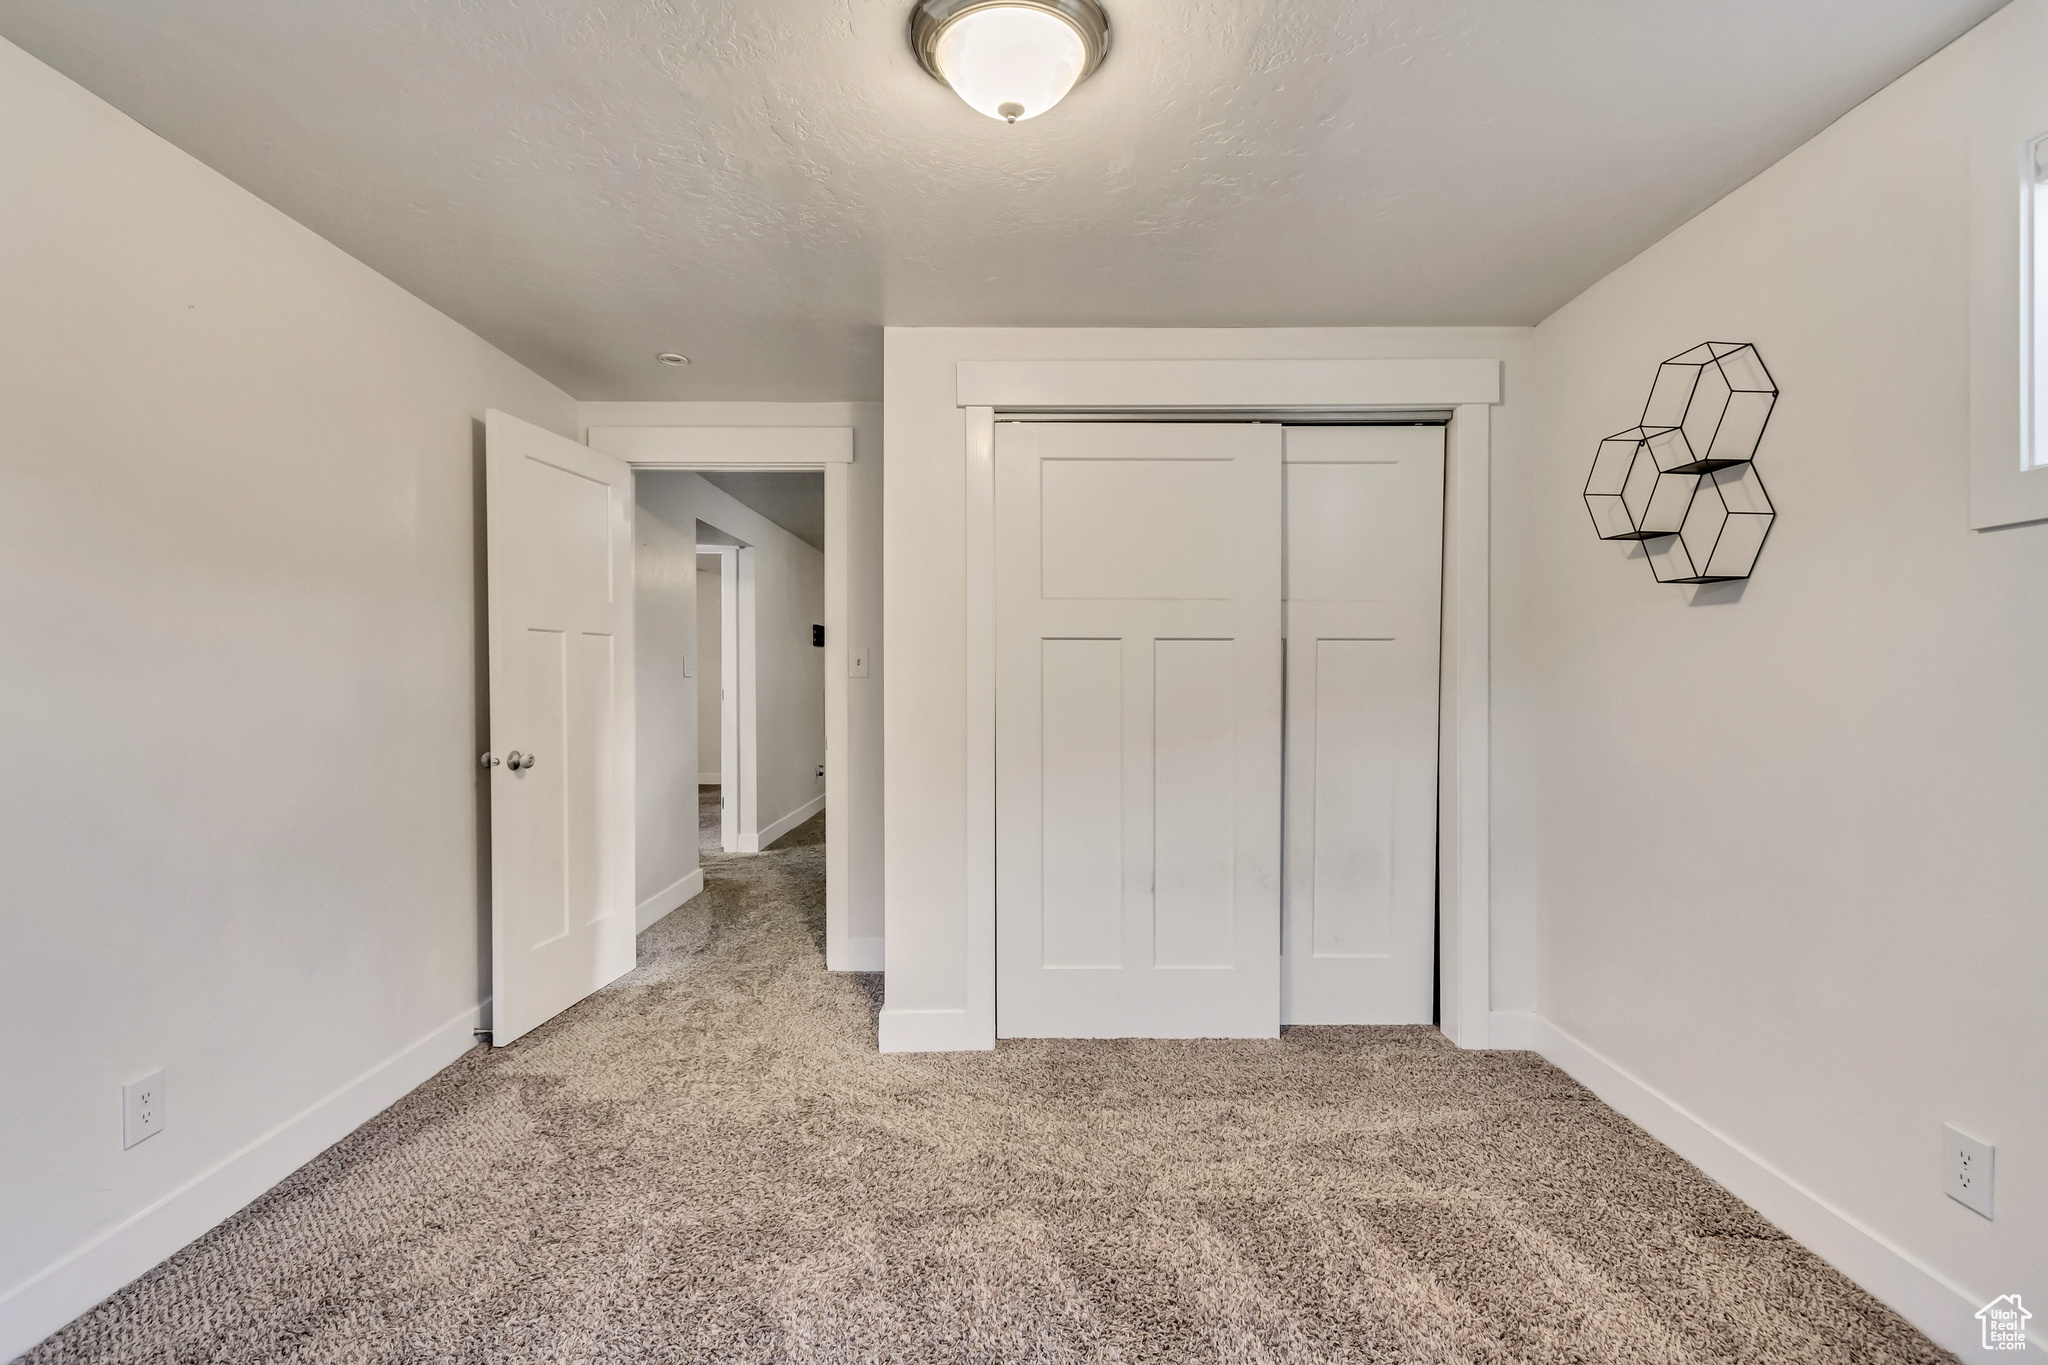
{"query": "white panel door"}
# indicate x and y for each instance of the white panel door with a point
(560, 552)
(1364, 575)
(1137, 730)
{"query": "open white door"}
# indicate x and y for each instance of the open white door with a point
(1137, 730)
(560, 552)
(1364, 571)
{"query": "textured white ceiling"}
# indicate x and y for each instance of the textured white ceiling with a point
(761, 184)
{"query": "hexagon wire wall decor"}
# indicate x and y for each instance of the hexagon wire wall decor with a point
(1681, 480)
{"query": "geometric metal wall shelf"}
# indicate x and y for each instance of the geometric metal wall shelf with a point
(1722, 532)
(1711, 403)
(1680, 480)
(1630, 496)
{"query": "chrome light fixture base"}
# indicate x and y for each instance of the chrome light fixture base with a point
(931, 18)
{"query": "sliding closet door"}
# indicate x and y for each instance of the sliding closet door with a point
(1138, 730)
(1364, 572)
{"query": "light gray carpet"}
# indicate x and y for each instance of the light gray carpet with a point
(710, 1162)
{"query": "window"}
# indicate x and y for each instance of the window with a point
(2009, 293)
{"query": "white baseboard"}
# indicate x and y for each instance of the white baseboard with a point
(930, 1031)
(39, 1305)
(769, 833)
(713, 778)
(52, 1297)
(859, 955)
(1922, 1295)
(671, 897)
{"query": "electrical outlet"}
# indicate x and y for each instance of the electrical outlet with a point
(142, 1108)
(857, 661)
(1967, 1166)
(821, 770)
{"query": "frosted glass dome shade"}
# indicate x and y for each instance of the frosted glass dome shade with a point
(1011, 62)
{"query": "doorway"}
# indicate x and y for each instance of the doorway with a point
(738, 438)
(610, 530)
(718, 712)
(1216, 726)
(732, 589)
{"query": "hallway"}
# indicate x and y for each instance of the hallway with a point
(709, 1161)
(710, 808)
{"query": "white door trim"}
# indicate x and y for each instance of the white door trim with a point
(1465, 727)
(696, 448)
(1193, 385)
(726, 447)
(1467, 387)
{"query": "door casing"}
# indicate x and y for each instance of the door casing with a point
(1283, 391)
(701, 449)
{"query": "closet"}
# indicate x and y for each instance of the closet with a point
(1216, 726)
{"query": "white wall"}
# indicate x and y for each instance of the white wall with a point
(239, 646)
(785, 677)
(924, 564)
(1788, 855)
(782, 675)
(853, 580)
(709, 657)
(665, 710)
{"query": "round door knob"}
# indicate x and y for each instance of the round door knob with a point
(490, 760)
(526, 762)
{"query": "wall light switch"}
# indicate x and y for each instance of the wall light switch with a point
(1967, 1169)
(142, 1108)
(857, 661)
(689, 665)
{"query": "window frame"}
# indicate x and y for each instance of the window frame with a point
(2008, 125)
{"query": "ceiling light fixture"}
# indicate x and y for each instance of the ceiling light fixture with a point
(1011, 59)
(671, 358)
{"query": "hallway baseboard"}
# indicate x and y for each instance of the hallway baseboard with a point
(775, 830)
(39, 1305)
(671, 897)
(1922, 1295)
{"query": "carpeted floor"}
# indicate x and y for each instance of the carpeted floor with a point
(709, 1161)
